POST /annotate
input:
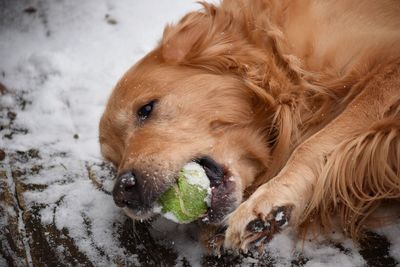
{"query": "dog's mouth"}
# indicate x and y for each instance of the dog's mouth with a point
(222, 199)
(215, 172)
(222, 183)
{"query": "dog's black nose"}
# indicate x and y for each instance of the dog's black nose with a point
(126, 191)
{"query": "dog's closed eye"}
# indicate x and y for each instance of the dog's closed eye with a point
(145, 111)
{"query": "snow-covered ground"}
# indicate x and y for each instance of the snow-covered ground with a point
(59, 60)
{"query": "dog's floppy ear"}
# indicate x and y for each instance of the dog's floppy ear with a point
(179, 40)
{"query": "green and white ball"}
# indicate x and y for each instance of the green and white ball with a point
(189, 198)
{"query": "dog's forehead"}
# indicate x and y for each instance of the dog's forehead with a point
(144, 79)
(138, 86)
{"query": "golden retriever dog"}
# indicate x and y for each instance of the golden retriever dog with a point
(291, 107)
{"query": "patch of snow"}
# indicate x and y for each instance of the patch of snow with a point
(279, 216)
(196, 175)
(284, 247)
(3, 261)
(392, 232)
(329, 255)
(170, 216)
(180, 236)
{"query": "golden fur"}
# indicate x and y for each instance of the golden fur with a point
(300, 100)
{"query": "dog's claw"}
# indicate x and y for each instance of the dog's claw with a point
(215, 244)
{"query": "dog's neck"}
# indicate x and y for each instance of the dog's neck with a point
(261, 56)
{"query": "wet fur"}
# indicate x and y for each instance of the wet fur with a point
(315, 83)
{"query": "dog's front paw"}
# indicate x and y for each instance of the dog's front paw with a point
(254, 224)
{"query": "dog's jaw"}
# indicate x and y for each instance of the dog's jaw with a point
(138, 216)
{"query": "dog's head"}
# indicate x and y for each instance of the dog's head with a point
(188, 100)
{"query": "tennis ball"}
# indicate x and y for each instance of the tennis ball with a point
(188, 199)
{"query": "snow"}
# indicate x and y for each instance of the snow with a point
(170, 216)
(392, 232)
(196, 175)
(179, 236)
(60, 64)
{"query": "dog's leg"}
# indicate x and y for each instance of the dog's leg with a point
(364, 173)
(282, 200)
